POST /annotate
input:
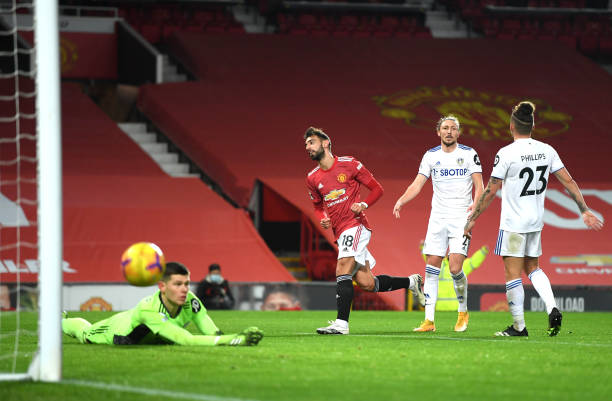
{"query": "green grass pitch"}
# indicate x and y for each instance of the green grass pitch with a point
(382, 359)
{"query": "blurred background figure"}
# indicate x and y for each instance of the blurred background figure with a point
(281, 300)
(214, 290)
(447, 298)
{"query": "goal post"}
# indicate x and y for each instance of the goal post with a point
(49, 150)
(46, 363)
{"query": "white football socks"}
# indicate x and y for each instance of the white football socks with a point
(430, 288)
(516, 298)
(461, 286)
(541, 283)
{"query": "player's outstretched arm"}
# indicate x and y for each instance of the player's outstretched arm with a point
(180, 336)
(411, 192)
(204, 323)
(482, 204)
(590, 220)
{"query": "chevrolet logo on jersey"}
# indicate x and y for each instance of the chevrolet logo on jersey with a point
(589, 260)
(335, 194)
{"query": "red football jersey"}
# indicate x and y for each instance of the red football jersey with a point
(337, 189)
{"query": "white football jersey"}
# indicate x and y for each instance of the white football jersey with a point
(451, 178)
(524, 165)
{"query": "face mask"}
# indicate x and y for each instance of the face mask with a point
(215, 278)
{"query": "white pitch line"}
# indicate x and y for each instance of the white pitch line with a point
(149, 391)
(500, 341)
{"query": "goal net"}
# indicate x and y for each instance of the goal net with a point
(30, 193)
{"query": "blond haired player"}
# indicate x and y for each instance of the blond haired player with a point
(455, 171)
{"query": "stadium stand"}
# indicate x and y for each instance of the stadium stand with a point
(115, 195)
(157, 22)
(377, 96)
(581, 25)
(379, 100)
(345, 19)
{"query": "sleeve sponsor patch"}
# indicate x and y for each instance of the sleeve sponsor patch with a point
(195, 305)
(476, 159)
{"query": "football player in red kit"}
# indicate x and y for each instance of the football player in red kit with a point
(334, 189)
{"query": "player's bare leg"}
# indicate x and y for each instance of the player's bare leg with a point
(384, 283)
(344, 297)
(461, 289)
(430, 288)
(541, 283)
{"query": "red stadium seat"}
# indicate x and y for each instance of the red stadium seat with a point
(605, 45)
(382, 34)
(152, 33)
(217, 27)
(589, 44)
(567, 4)
(511, 25)
(203, 17)
(194, 27)
(285, 22)
(168, 29)
(235, 27)
(403, 34)
(297, 30)
(307, 20)
(341, 32)
(423, 33)
(350, 21)
(319, 32)
(491, 27)
(389, 23)
(408, 24)
(323, 265)
(160, 14)
(361, 34)
(568, 40)
(551, 27)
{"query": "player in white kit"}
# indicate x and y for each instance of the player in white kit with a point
(524, 167)
(455, 171)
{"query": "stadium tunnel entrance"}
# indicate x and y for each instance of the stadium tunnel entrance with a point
(292, 236)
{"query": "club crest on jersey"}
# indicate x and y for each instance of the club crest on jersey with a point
(195, 305)
(460, 161)
(335, 194)
(341, 178)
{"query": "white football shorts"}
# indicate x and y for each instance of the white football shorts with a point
(446, 233)
(354, 243)
(519, 244)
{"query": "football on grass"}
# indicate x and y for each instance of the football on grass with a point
(143, 264)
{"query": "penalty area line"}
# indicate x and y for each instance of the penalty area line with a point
(443, 338)
(113, 387)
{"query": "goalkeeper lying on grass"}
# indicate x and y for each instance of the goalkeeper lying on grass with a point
(160, 319)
